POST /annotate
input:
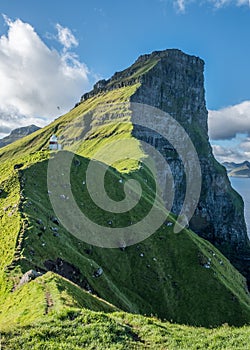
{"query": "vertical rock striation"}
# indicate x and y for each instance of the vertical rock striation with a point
(176, 85)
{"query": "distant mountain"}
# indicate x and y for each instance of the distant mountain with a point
(17, 134)
(238, 170)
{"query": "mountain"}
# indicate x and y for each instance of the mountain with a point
(57, 275)
(17, 134)
(238, 170)
(174, 83)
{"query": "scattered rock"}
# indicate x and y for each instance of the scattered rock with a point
(55, 220)
(28, 276)
(98, 272)
(18, 166)
(77, 162)
(169, 224)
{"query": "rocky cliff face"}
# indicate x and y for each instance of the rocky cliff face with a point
(18, 134)
(176, 85)
(173, 82)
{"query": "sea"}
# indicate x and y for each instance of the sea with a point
(242, 186)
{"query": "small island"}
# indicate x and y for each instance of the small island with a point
(241, 170)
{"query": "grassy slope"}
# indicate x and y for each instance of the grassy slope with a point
(48, 294)
(168, 280)
(172, 284)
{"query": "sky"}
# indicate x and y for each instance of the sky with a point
(52, 52)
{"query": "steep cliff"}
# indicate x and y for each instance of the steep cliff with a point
(174, 82)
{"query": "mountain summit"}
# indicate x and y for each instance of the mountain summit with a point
(57, 260)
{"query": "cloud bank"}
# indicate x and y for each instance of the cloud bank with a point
(227, 122)
(234, 154)
(37, 83)
(231, 125)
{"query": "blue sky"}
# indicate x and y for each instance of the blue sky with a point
(110, 35)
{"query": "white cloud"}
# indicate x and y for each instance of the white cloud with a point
(36, 80)
(65, 37)
(229, 130)
(226, 123)
(229, 154)
(245, 145)
(182, 4)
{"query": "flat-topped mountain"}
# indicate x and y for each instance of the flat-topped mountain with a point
(17, 134)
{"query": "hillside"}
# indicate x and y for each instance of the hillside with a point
(17, 134)
(75, 329)
(238, 170)
(175, 276)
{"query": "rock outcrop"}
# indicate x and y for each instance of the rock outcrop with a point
(17, 134)
(174, 82)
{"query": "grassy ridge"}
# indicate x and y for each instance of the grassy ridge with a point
(74, 329)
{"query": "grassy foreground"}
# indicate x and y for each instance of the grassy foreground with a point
(75, 329)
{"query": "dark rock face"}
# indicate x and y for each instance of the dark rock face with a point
(18, 134)
(67, 270)
(176, 85)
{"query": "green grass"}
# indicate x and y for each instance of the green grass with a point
(74, 329)
(164, 275)
(166, 281)
(49, 294)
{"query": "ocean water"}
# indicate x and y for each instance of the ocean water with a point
(242, 186)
